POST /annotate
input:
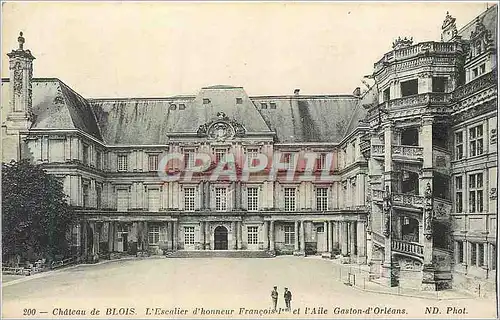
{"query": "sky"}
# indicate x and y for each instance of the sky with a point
(158, 49)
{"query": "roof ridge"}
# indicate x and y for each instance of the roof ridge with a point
(471, 22)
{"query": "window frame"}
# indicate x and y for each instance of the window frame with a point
(476, 140)
(155, 163)
(289, 234)
(476, 192)
(253, 199)
(189, 199)
(459, 194)
(459, 145)
(321, 199)
(221, 199)
(122, 166)
(252, 235)
(153, 233)
(290, 200)
(189, 234)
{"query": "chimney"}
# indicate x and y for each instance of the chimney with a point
(296, 92)
(357, 92)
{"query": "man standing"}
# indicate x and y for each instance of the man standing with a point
(274, 296)
(288, 299)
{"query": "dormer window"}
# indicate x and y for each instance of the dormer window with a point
(239, 100)
(263, 105)
(173, 106)
(206, 101)
(478, 48)
(182, 106)
(272, 105)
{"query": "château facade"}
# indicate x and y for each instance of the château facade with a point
(411, 164)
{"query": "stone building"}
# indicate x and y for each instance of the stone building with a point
(401, 176)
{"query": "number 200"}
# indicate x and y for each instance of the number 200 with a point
(29, 312)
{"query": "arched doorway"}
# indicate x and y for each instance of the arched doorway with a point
(220, 238)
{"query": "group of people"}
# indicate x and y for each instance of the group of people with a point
(287, 295)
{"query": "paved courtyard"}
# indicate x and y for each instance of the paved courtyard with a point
(212, 284)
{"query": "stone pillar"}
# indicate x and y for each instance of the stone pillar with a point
(352, 238)
(302, 238)
(175, 236)
(326, 228)
(240, 238)
(234, 238)
(111, 236)
(335, 234)
(265, 237)
(343, 237)
(296, 231)
(207, 235)
(202, 235)
(271, 235)
(361, 241)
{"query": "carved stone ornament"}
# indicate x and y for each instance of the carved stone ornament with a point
(493, 193)
(402, 43)
(221, 129)
(493, 136)
(18, 78)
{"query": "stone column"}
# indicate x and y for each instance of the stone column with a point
(202, 235)
(326, 228)
(302, 238)
(343, 237)
(175, 236)
(240, 238)
(296, 231)
(361, 241)
(335, 234)
(352, 238)
(234, 238)
(111, 236)
(207, 235)
(265, 237)
(271, 235)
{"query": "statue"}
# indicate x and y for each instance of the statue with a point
(21, 40)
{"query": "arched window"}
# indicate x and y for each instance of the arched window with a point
(478, 47)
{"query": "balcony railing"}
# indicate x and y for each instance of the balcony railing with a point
(475, 85)
(434, 98)
(378, 238)
(420, 48)
(410, 248)
(408, 200)
(411, 152)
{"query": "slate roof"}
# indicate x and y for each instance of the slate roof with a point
(57, 106)
(488, 18)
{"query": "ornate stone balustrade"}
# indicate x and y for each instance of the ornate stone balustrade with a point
(408, 200)
(435, 98)
(410, 248)
(475, 85)
(412, 152)
(420, 48)
(378, 238)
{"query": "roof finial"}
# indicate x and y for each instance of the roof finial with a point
(20, 40)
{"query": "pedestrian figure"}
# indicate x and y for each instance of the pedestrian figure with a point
(274, 296)
(288, 299)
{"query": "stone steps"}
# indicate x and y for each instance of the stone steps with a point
(220, 254)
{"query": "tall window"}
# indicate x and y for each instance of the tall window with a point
(459, 145)
(220, 154)
(252, 154)
(98, 159)
(122, 162)
(220, 199)
(189, 197)
(476, 192)
(75, 235)
(122, 199)
(153, 162)
(98, 191)
(409, 87)
(290, 199)
(121, 231)
(86, 199)
(253, 235)
(473, 254)
(189, 158)
(480, 254)
(154, 234)
(154, 200)
(439, 84)
(322, 199)
(387, 94)
(253, 199)
(476, 140)
(460, 253)
(321, 161)
(459, 194)
(189, 235)
(493, 260)
(86, 158)
(289, 234)
(288, 159)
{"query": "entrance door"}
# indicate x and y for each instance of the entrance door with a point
(321, 241)
(220, 240)
(125, 242)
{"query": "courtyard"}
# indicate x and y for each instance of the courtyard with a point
(215, 288)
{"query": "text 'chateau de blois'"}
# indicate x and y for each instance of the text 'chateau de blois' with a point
(412, 162)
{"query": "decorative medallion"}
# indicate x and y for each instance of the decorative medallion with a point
(221, 129)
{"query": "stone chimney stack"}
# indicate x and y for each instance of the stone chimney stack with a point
(357, 92)
(21, 73)
(296, 92)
